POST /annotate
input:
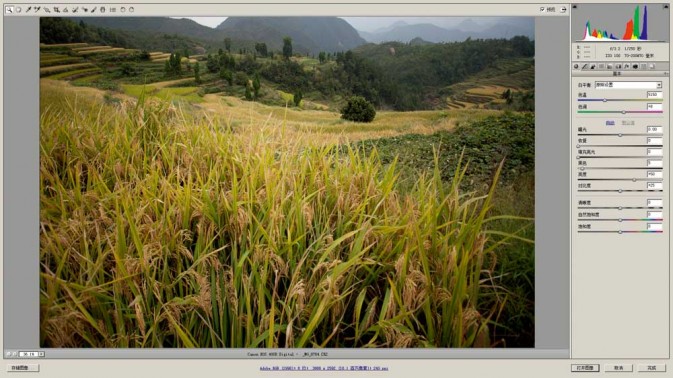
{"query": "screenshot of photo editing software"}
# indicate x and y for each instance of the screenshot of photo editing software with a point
(335, 189)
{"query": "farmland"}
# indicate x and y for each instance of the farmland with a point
(180, 208)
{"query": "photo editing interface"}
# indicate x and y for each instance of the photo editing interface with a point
(288, 189)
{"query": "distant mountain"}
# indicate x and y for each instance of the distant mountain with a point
(309, 34)
(396, 24)
(502, 28)
(469, 25)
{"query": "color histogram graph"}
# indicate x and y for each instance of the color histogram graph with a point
(634, 30)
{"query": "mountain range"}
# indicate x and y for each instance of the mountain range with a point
(313, 34)
(402, 31)
(307, 33)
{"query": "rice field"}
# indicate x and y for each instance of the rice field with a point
(114, 50)
(62, 68)
(75, 74)
(217, 224)
(62, 45)
(488, 85)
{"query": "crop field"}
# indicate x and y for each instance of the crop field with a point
(487, 87)
(192, 203)
(186, 231)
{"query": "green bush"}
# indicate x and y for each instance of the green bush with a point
(240, 78)
(358, 109)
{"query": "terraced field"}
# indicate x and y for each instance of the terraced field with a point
(82, 63)
(62, 68)
(488, 86)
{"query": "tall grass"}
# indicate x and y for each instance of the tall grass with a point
(163, 228)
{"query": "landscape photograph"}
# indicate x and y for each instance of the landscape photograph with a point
(287, 182)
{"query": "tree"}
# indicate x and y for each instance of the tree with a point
(197, 73)
(226, 75)
(358, 109)
(177, 65)
(507, 95)
(297, 97)
(227, 44)
(261, 49)
(185, 52)
(128, 69)
(173, 66)
(287, 47)
(321, 57)
(248, 94)
(212, 64)
(256, 85)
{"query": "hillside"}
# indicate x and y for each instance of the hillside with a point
(162, 25)
(307, 33)
(421, 72)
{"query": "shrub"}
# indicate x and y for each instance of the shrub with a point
(358, 109)
(240, 78)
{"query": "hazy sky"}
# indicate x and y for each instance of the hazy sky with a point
(208, 21)
(373, 23)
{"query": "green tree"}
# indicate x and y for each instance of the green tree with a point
(128, 69)
(322, 57)
(212, 64)
(178, 64)
(507, 96)
(256, 85)
(287, 47)
(297, 97)
(358, 109)
(261, 49)
(197, 73)
(248, 93)
(173, 66)
(227, 44)
(225, 74)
